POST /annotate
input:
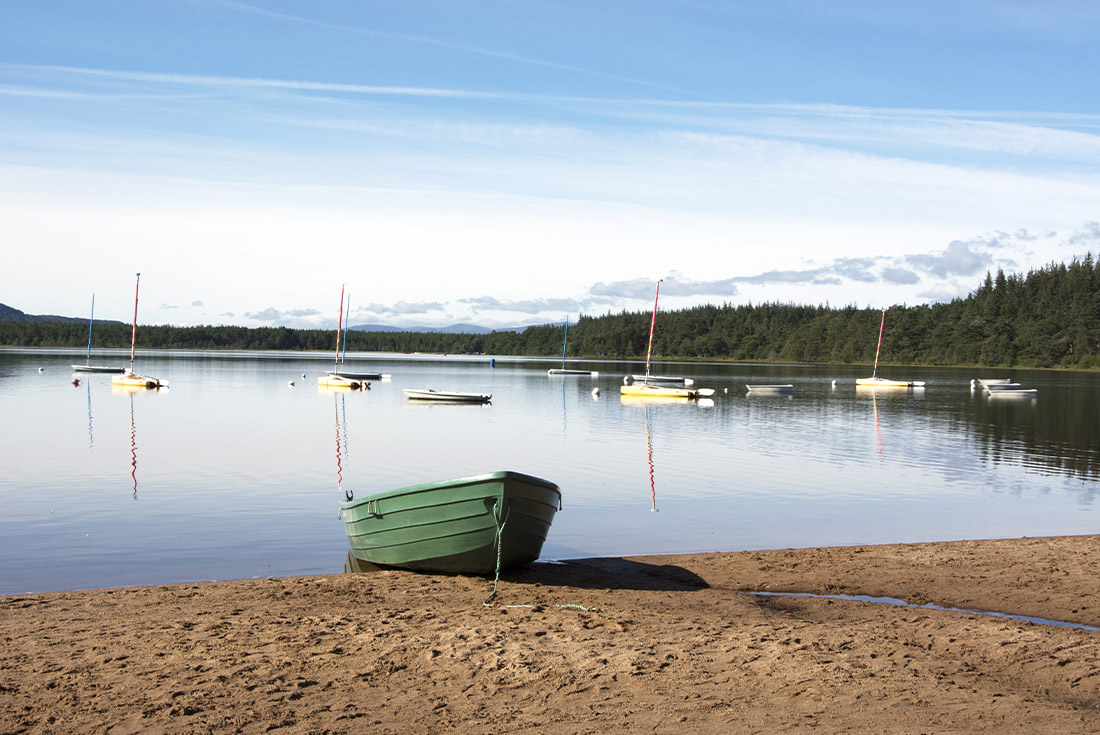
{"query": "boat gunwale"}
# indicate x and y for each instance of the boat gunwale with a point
(502, 476)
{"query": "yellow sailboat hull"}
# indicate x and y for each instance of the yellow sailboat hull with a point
(656, 391)
(133, 380)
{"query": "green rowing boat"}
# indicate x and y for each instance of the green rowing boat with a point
(469, 525)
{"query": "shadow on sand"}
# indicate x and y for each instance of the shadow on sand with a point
(596, 573)
(607, 573)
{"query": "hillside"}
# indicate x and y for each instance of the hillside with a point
(1047, 318)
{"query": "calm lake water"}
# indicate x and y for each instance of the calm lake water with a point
(232, 473)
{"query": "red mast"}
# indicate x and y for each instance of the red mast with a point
(133, 331)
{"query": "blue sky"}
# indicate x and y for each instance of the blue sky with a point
(512, 162)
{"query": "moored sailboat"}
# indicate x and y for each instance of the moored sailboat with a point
(876, 382)
(129, 378)
(88, 367)
(647, 388)
(563, 370)
(340, 371)
(334, 378)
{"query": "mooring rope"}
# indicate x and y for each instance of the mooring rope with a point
(500, 532)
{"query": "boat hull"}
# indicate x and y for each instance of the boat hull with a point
(665, 379)
(563, 371)
(885, 383)
(657, 391)
(452, 526)
(133, 380)
(1018, 393)
(357, 376)
(97, 369)
(339, 381)
(448, 396)
(785, 388)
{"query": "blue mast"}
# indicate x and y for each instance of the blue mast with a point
(90, 320)
(566, 342)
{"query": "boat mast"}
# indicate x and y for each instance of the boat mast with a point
(91, 318)
(652, 325)
(133, 331)
(347, 321)
(339, 326)
(566, 342)
(874, 373)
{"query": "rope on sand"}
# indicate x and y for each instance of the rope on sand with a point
(496, 580)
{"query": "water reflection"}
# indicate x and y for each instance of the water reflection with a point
(649, 459)
(133, 446)
(878, 428)
(340, 408)
(91, 437)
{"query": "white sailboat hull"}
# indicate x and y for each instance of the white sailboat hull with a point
(431, 394)
(97, 369)
(873, 382)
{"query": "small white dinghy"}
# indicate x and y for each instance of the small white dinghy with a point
(431, 394)
(774, 388)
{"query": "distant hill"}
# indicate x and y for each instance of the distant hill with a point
(8, 314)
(453, 329)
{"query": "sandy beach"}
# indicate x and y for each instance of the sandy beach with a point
(667, 644)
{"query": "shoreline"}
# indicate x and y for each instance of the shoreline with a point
(633, 644)
(59, 350)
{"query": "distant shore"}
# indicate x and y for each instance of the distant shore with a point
(663, 644)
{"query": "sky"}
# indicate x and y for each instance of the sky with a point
(513, 162)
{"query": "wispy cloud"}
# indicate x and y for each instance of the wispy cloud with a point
(958, 259)
(439, 43)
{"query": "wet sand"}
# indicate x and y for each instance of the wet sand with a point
(670, 644)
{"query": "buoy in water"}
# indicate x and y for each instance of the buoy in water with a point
(290, 383)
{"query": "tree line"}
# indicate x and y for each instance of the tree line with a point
(1049, 318)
